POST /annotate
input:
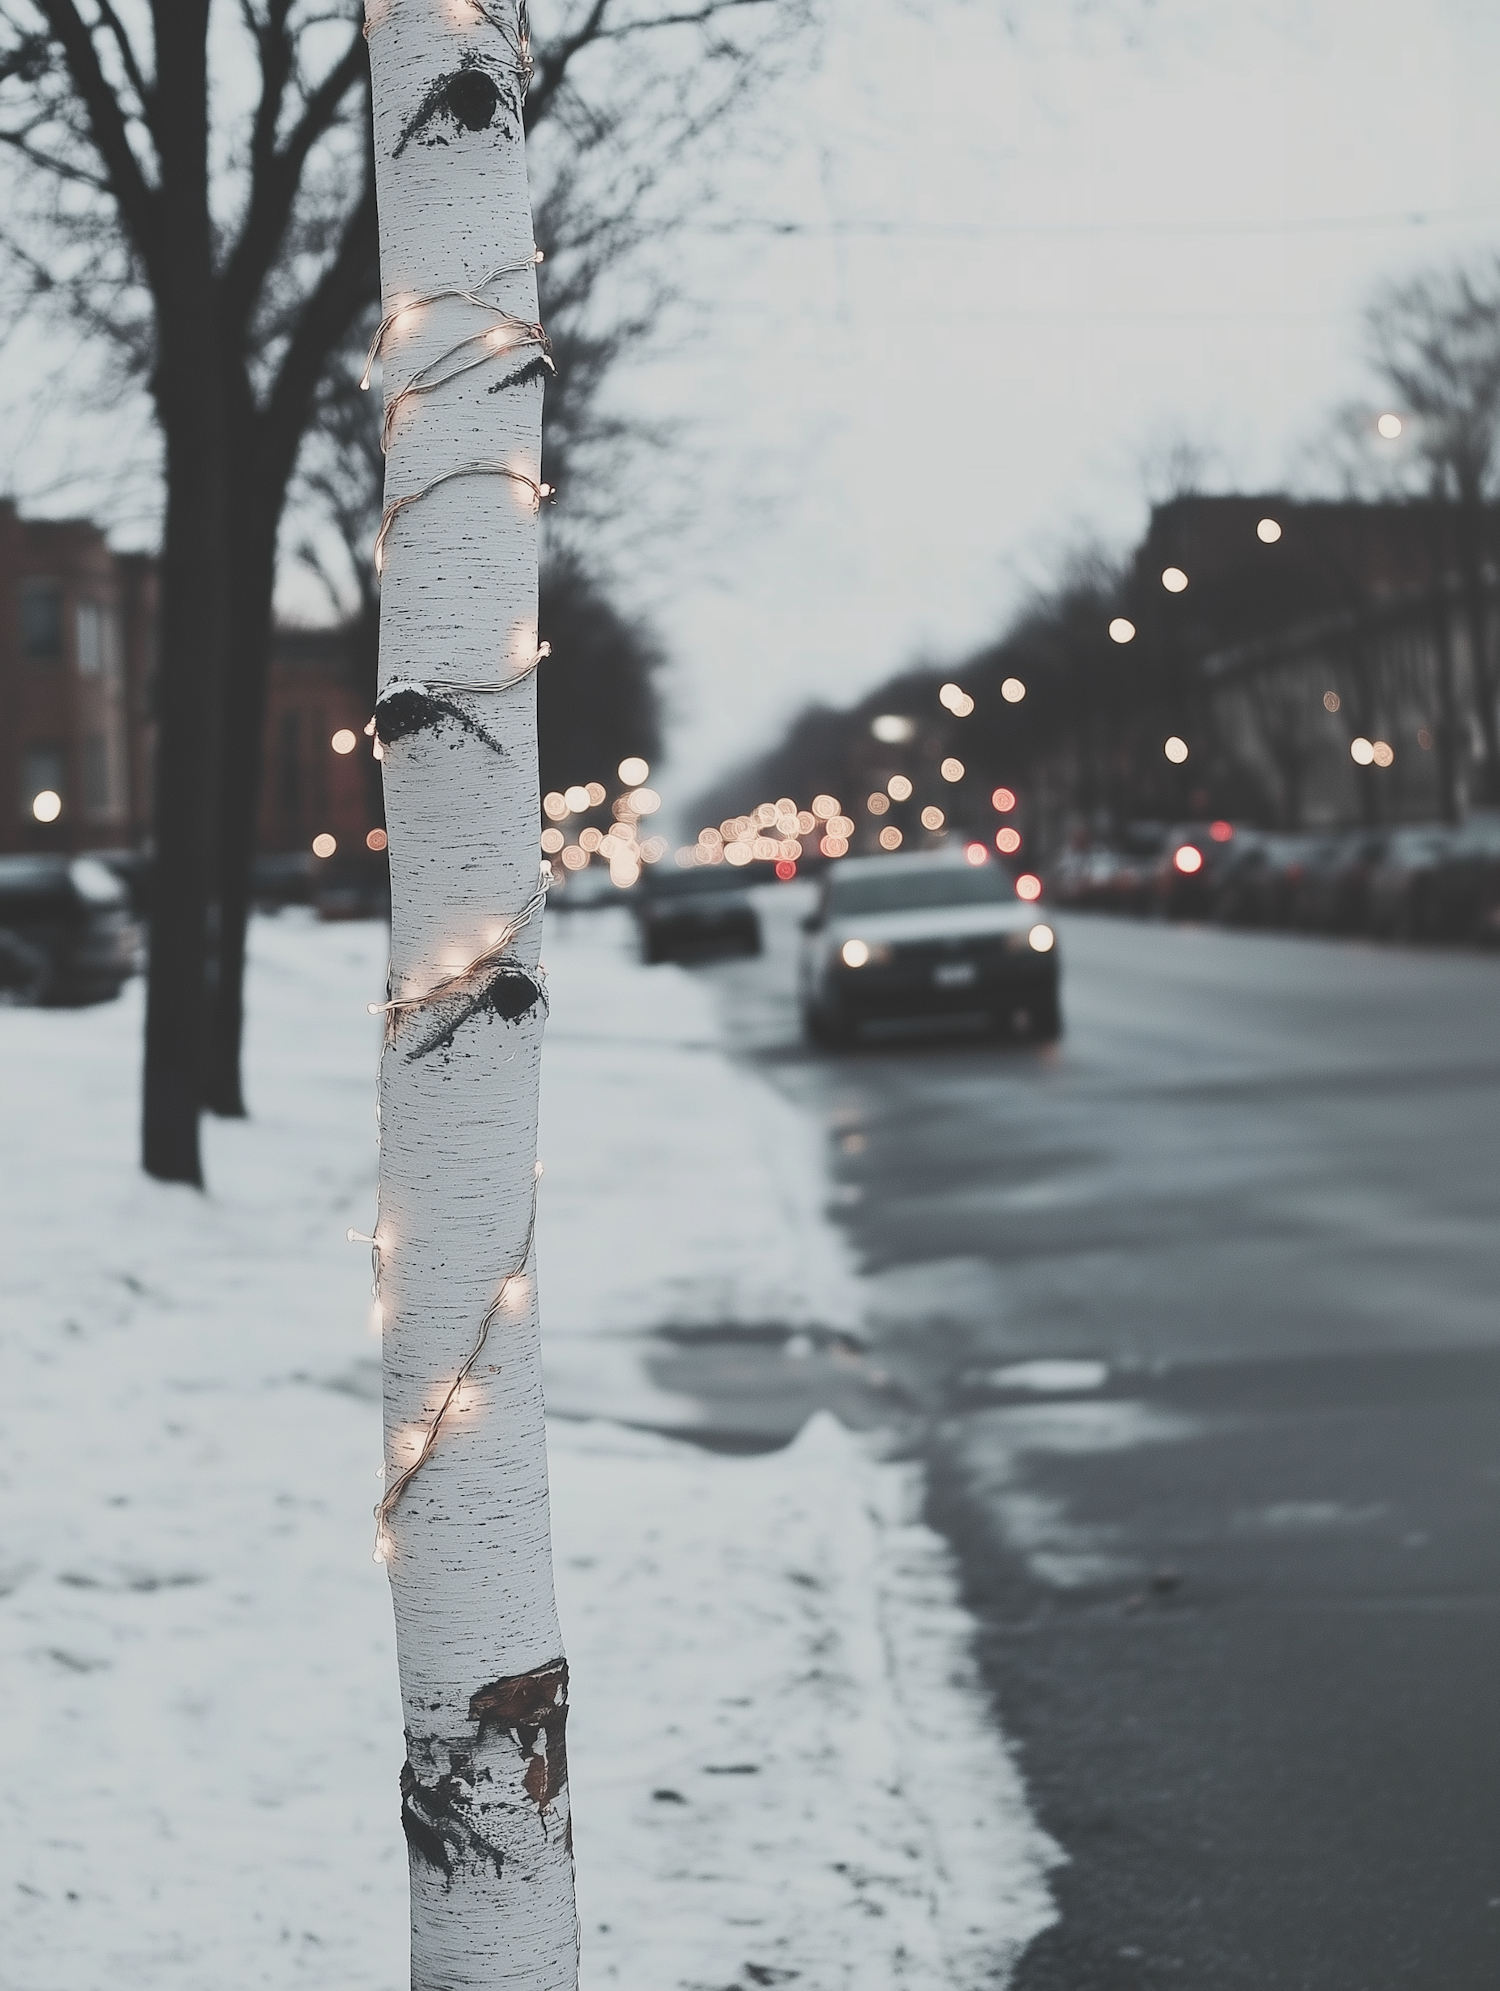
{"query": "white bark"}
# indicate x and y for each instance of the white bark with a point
(466, 1539)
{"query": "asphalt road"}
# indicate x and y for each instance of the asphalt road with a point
(1196, 1317)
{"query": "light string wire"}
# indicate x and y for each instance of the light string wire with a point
(525, 332)
(437, 373)
(494, 956)
(482, 468)
(386, 1505)
(516, 677)
(517, 39)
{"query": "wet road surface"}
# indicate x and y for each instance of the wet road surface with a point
(1196, 1318)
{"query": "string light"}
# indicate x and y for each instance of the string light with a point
(518, 333)
(455, 984)
(504, 1301)
(538, 657)
(517, 40)
(393, 511)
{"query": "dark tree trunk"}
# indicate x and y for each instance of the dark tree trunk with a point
(263, 444)
(1442, 630)
(1470, 523)
(254, 517)
(192, 604)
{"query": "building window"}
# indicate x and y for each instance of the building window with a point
(96, 783)
(97, 647)
(41, 621)
(289, 771)
(41, 774)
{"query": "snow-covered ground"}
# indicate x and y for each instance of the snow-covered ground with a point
(783, 1768)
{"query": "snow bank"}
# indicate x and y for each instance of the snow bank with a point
(197, 1769)
(680, 1191)
(782, 1765)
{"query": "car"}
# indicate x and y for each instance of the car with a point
(67, 934)
(1463, 894)
(926, 935)
(1332, 895)
(1404, 882)
(695, 915)
(1259, 878)
(1095, 879)
(1193, 858)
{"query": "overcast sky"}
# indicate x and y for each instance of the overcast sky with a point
(1034, 257)
(1038, 244)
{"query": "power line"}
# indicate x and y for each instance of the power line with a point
(972, 231)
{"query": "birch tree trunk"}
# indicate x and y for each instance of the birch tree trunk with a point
(463, 1526)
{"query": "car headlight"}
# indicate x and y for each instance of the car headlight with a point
(1042, 938)
(860, 953)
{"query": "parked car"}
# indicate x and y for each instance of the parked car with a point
(1261, 876)
(66, 930)
(1462, 892)
(695, 915)
(926, 935)
(1186, 877)
(1107, 877)
(1330, 891)
(1405, 884)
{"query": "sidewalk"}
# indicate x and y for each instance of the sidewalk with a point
(781, 1762)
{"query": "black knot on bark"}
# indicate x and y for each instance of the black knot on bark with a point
(406, 710)
(469, 100)
(472, 99)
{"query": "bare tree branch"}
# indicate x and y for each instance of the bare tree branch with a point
(346, 286)
(277, 173)
(136, 198)
(125, 49)
(58, 169)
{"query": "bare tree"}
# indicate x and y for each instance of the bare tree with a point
(225, 266)
(1436, 339)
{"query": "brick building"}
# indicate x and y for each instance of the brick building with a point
(77, 635)
(308, 787)
(78, 632)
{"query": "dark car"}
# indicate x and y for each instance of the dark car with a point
(1188, 871)
(1405, 885)
(1332, 892)
(66, 930)
(1260, 877)
(926, 936)
(695, 915)
(1461, 895)
(1110, 878)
